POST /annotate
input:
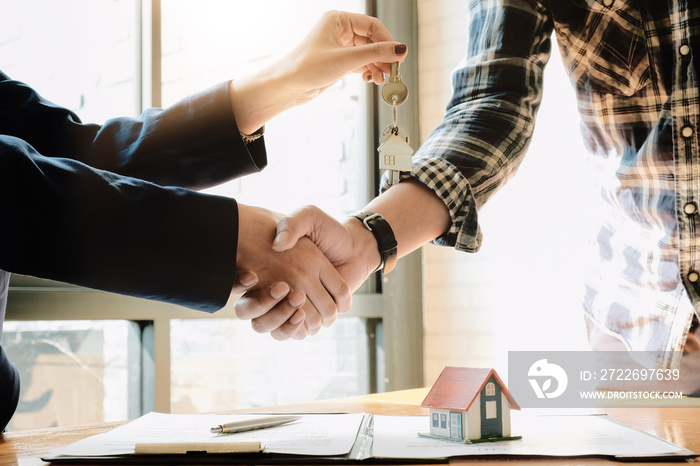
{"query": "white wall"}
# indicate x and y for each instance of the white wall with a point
(523, 290)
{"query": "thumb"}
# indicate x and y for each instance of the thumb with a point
(377, 52)
(244, 281)
(294, 226)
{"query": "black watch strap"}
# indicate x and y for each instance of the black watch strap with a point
(386, 242)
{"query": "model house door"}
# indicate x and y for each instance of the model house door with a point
(491, 410)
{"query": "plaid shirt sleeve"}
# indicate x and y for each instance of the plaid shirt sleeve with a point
(489, 121)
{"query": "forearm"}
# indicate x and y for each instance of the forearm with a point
(258, 98)
(414, 212)
(192, 143)
(72, 223)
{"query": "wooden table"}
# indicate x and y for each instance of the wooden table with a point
(677, 425)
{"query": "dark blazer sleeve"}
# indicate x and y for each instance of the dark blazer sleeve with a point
(108, 206)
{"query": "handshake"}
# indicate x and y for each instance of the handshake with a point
(298, 272)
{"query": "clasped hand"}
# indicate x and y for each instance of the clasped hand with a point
(311, 252)
(315, 291)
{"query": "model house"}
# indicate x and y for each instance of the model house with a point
(470, 405)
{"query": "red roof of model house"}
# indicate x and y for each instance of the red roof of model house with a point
(457, 387)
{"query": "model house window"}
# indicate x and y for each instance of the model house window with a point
(443, 421)
(436, 422)
(456, 425)
(491, 410)
(490, 389)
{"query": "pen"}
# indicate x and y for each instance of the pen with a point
(252, 424)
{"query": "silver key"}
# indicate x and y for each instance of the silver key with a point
(394, 91)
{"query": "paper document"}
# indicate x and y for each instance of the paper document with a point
(542, 435)
(332, 437)
(312, 434)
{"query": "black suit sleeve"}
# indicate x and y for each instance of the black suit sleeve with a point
(108, 207)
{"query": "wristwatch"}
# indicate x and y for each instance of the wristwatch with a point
(386, 242)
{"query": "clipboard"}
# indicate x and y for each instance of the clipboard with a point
(377, 438)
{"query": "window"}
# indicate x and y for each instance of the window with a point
(79, 54)
(490, 389)
(73, 371)
(556, 154)
(313, 150)
(220, 364)
(436, 422)
(443, 421)
(455, 425)
(171, 359)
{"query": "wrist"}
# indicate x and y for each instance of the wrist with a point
(384, 240)
(258, 98)
(364, 244)
(256, 230)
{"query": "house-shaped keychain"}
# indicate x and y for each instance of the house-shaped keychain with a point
(470, 405)
(395, 154)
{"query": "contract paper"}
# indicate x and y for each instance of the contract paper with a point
(313, 434)
(546, 435)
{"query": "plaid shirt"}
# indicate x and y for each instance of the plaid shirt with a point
(631, 63)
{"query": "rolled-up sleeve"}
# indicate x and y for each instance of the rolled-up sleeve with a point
(489, 121)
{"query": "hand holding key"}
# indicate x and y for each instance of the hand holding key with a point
(339, 44)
